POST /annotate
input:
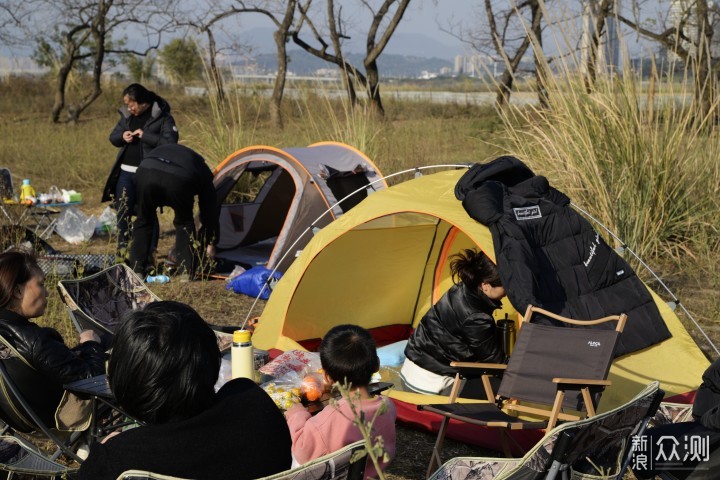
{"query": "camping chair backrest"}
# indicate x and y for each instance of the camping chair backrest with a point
(544, 352)
(603, 439)
(99, 301)
(333, 466)
(25, 392)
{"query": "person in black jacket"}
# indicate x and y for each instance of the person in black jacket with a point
(145, 123)
(171, 175)
(459, 327)
(162, 371)
(22, 297)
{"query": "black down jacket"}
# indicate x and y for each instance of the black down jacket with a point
(159, 130)
(53, 362)
(550, 256)
(459, 327)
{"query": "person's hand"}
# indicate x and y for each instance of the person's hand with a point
(89, 336)
(138, 133)
(109, 436)
(128, 136)
(210, 250)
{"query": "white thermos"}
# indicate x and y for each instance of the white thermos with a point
(242, 355)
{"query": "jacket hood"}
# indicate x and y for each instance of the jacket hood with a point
(506, 170)
(489, 190)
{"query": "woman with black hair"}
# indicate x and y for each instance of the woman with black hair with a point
(23, 297)
(458, 328)
(163, 368)
(145, 123)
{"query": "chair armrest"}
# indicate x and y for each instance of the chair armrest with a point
(480, 366)
(582, 381)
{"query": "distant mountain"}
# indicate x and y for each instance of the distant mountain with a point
(260, 40)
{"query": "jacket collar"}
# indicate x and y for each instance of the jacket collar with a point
(12, 317)
(478, 300)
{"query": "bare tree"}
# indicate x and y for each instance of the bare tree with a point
(689, 35)
(72, 32)
(385, 20)
(206, 20)
(511, 38)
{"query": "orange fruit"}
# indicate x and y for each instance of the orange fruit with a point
(312, 387)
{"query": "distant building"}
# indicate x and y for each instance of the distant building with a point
(476, 65)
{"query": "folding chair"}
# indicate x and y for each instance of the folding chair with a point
(551, 369)
(583, 447)
(98, 301)
(348, 463)
(27, 406)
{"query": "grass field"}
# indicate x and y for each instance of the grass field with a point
(651, 177)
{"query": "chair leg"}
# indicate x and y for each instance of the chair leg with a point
(435, 460)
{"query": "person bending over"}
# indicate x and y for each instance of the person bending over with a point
(171, 175)
(164, 364)
(459, 327)
(23, 297)
(348, 356)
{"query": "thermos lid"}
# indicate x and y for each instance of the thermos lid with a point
(241, 336)
(26, 181)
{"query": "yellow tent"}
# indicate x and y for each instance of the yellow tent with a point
(384, 263)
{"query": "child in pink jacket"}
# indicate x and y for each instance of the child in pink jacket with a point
(348, 355)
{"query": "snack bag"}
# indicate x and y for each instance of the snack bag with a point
(284, 391)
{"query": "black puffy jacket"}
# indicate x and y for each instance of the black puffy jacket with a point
(159, 130)
(548, 255)
(45, 350)
(459, 327)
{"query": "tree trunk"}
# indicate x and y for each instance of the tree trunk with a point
(215, 75)
(541, 85)
(279, 87)
(704, 87)
(504, 89)
(373, 87)
(61, 83)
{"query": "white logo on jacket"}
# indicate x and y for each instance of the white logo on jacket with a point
(593, 249)
(527, 213)
(593, 343)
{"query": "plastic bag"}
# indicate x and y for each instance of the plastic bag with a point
(107, 222)
(296, 376)
(74, 226)
(251, 282)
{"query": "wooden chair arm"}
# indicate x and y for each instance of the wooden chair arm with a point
(483, 366)
(582, 381)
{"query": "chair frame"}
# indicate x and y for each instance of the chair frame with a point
(25, 410)
(553, 415)
(82, 319)
(356, 470)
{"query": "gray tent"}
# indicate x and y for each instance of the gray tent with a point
(270, 196)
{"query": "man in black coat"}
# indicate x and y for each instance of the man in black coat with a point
(172, 175)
